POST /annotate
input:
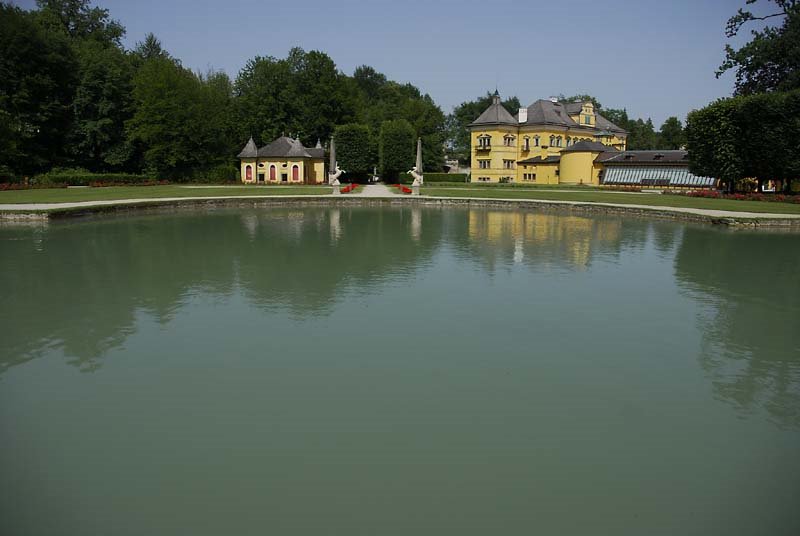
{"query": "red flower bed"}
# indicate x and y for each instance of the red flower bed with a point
(404, 189)
(756, 196)
(349, 188)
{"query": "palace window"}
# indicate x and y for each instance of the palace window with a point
(509, 140)
(531, 177)
(526, 144)
(484, 179)
(508, 164)
(587, 120)
(261, 164)
(569, 141)
(485, 141)
(484, 164)
(552, 141)
(536, 141)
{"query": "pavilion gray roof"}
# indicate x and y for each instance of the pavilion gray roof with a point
(250, 150)
(284, 147)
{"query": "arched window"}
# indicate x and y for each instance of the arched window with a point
(273, 172)
(526, 144)
(552, 140)
(295, 172)
(248, 173)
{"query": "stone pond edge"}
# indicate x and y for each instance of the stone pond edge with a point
(789, 221)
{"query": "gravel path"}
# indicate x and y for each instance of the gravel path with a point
(374, 190)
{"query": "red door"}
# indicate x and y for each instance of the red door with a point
(248, 173)
(295, 173)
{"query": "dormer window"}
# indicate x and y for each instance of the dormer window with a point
(587, 120)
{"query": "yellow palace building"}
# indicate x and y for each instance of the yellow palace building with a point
(549, 142)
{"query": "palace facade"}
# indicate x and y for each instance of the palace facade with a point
(284, 161)
(549, 142)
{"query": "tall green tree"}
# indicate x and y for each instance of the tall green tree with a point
(713, 134)
(671, 135)
(102, 104)
(179, 119)
(354, 150)
(396, 148)
(80, 20)
(770, 61)
(37, 84)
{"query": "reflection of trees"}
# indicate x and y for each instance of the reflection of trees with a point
(80, 285)
(751, 284)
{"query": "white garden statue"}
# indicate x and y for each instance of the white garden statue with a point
(416, 174)
(333, 177)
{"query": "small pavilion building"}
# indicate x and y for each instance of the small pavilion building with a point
(284, 161)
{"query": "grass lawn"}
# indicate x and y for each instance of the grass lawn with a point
(66, 195)
(656, 200)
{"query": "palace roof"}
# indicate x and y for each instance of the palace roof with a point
(544, 112)
(551, 159)
(547, 112)
(593, 146)
(495, 114)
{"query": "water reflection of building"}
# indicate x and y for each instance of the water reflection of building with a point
(527, 235)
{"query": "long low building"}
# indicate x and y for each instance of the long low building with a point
(651, 168)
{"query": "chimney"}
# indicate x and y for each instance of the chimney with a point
(523, 115)
(554, 99)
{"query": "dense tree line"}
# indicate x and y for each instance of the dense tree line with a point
(754, 135)
(72, 96)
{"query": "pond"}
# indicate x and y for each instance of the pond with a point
(394, 371)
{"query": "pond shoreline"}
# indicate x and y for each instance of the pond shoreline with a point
(714, 217)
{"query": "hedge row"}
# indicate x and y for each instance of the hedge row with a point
(446, 177)
(430, 178)
(85, 178)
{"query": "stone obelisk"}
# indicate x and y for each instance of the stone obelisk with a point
(417, 174)
(333, 176)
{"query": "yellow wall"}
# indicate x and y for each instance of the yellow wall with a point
(545, 174)
(309, 170)
(579, 168)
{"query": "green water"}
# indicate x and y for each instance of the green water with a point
(396, 371)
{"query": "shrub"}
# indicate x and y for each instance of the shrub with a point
(80, 177)
(445, 177)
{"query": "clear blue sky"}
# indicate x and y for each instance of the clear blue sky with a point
(654, 57)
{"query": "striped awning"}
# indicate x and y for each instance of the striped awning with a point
(655, 176)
